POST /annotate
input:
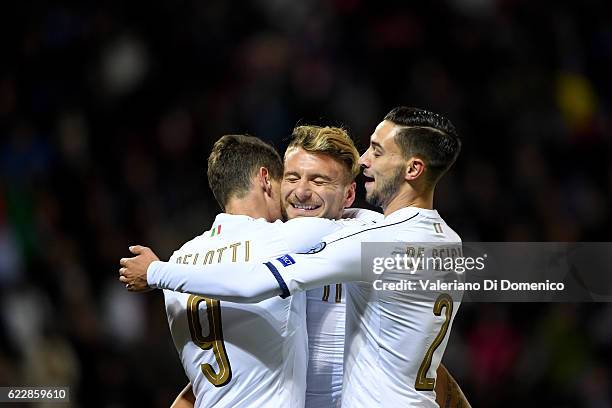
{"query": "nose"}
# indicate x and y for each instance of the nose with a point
(364, 160)
(302, 191)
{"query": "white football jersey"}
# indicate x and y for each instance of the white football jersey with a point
(394, 340)
(243, 355)
(325, 317)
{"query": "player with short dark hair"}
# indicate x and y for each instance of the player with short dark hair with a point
(231, 164)
(426, 134)
(238, 354)
(422, 140)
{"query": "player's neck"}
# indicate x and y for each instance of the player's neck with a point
(250, 206)
(410, 198)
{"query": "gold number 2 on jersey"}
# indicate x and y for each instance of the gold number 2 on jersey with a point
(423, 383)
(214, 339)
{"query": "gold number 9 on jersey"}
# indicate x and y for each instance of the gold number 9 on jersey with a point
(214, 339)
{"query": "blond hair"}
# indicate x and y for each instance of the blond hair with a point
(332, 141)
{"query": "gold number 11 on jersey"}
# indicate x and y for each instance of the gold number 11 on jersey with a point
(214, 339)
(338, 293)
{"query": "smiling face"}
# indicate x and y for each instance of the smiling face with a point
(383, 165)
(315, 185)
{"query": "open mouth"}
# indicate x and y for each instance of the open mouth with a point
(305, 207)
(368, 179)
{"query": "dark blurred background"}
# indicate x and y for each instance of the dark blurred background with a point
(108, 110)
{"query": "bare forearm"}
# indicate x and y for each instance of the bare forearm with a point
(185, 399)
(448, 392)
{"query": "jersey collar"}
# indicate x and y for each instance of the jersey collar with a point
(226, 218)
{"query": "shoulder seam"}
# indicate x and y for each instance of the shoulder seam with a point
(373, 228)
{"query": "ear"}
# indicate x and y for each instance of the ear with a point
(349, 197)
(263, 178)
(414, 169)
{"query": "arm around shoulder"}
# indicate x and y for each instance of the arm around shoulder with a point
(301, 234)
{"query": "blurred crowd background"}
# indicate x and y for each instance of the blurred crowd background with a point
(108, 111)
